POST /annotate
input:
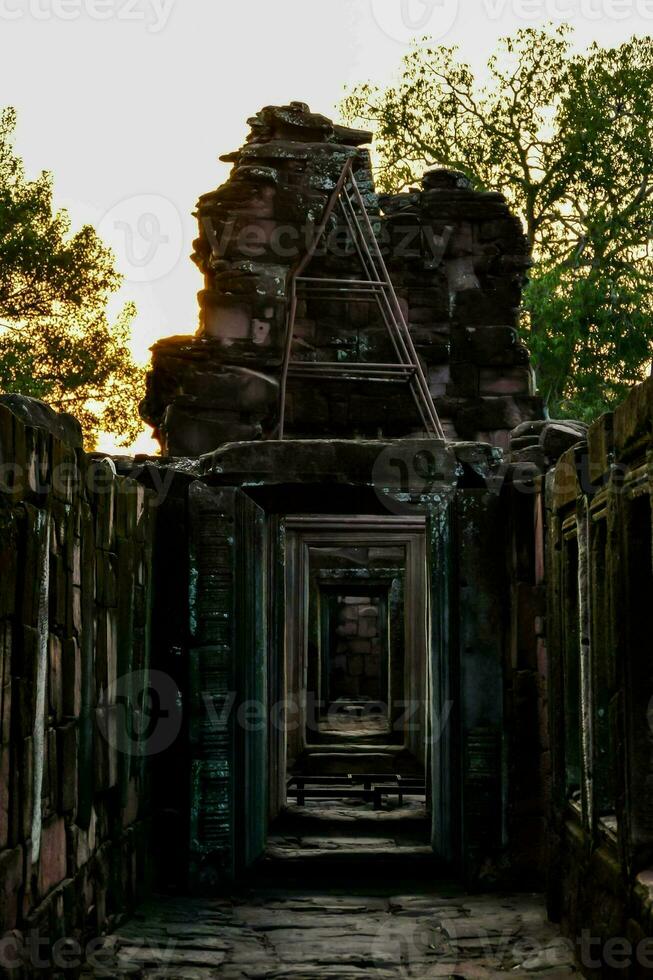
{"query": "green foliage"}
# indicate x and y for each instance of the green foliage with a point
(56, 342)
(568, 138)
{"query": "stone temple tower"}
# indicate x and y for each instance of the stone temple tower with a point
(457, 258)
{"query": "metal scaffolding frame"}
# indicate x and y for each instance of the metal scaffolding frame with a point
(347, 198)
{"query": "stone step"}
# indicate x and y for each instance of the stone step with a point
(305, 858)
(355, 760)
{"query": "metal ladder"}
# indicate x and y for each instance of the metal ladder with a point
(376, 283)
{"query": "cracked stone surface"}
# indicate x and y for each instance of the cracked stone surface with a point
(332, 935)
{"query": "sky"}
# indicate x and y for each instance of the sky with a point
(130, 102)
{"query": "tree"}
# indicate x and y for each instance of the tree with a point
(568, 138)
(56, 341)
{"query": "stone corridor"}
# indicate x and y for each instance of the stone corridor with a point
(357, 934)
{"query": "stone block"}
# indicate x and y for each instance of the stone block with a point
(51, 764)
(633, 419)
(125, 507)
(52, 856)
(66, 474)
(106, 659)
(59, 595)
(101, 480)
(386, 554)
(355, 666)
(488, 345)
(105, 742)
(564, 482)
(71, 677)
(343, 460)
(439, 379)
(558, 436)
(24, 683)
(350, 628)
(23, 790)
(11, 885)
(37, 473)
(5, 789)
(31, 551)
(484, 307)
(371, 612)
(36, 413)
(431, 343)
(464, 381)
(490, 413)
(368, 627)
(194, 431)
(500, 438)
(419, 315)
(55, 676)
(510, 381)
(6, 636)
(68, 767)
(600, 442)
(133, 803)
(105, 578)
(360, 646)
(8, 563)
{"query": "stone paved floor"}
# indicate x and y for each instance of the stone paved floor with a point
(357, 904)
(332, 935)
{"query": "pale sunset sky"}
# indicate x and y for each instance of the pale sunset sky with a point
(130, 102)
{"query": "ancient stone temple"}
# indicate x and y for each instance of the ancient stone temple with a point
(366, 647)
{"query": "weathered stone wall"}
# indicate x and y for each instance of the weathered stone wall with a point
(457, 257)
(526, 691)
(75, 591)
(356, 668)
(599, 590)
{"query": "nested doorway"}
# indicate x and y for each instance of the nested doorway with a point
(321, 641)
(356, 658)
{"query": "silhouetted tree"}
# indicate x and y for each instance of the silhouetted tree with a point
(568, 138)
(56, 341)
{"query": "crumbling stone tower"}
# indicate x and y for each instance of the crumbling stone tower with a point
(458, 260)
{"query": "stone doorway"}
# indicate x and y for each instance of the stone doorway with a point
(356, 754)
